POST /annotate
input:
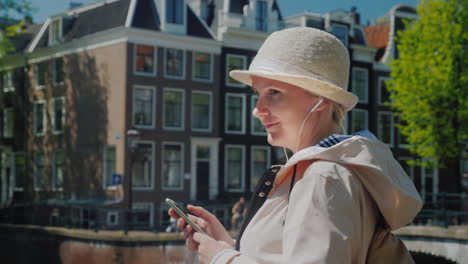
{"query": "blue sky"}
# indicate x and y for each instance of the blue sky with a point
(369, 9)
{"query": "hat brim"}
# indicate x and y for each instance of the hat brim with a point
(315, 86)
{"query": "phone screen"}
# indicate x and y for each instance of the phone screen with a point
(183, 212)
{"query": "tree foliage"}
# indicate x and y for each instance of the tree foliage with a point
(10, 25)
(429, 85)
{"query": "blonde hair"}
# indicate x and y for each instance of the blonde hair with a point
(337, 116)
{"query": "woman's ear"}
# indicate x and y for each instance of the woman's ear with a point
(325, 105)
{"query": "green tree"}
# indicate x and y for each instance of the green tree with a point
(10, 10)
(429, 87)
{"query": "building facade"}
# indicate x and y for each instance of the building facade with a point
(79, 82)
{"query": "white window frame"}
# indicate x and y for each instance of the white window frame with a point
(10, 76)
(148, 205)
(108, 218)
(226, 147)
(252, 149)
(210, 116)
(104, 168)
(380, 79)
(183, 65)
(347, 32)
(366, 88)
(54, 72)
(182, 128)
(152, 162)
(182, 164)
(53, 41)
(226, 75)
(226, 109)
(252, 118)
(5, 123)
(153, 125)
(352, 118)
(36, 67)
(44, 118)
(54, 177)
(36, 187)
(155, 60)
(392, 127)
(211, 67)
(54, 130)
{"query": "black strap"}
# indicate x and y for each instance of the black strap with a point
(256, 202)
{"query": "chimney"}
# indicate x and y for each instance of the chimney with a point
(355, 15)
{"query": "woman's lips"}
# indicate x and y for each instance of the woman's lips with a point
(270, 125)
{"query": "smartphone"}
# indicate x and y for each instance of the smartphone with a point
(182, 212)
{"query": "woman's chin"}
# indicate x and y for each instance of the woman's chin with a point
(274, 141)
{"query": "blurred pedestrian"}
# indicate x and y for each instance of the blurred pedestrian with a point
(238, 213)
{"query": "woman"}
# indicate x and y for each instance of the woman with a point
(336, 199)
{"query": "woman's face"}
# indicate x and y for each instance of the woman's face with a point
(281, 107)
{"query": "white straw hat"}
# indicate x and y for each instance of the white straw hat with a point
(306, 57)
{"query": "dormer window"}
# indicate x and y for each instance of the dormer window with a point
(341, 32)
(261, 10)
(175, 12)
(55, 31)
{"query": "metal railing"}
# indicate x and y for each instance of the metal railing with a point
(443, 209)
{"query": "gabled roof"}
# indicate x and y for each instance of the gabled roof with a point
(108, 14)
(378, 37)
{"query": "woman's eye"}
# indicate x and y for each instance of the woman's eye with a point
(273, 92)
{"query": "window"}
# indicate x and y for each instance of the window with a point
(202, 64)
(39, 118)
(341, 32)
(383, 94)
(429, 183)
(173, 108)
(39, 171)
(7, 81)
(145, 60)
(41, 69)
(234, 157)
(8, 122)
(144, 106)
(175, 11)
(260, 161)
(58, 73)
(142, 170)
(359, 85)
(173, 169)
(58, 115)
(201, 111)
(256, 125)
(142, 215)
(6, 172)
(385, 127)
(359, 120)
(234, 62)
(235, 114)
(112, 218)
(20, 171)
(55, 31)
(261, 10)
(109, 165)
(57, 170)
(174, 61)
(402, 140)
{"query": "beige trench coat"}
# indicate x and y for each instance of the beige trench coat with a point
(334, 208)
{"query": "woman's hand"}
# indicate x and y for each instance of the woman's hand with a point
(208, 247)
(207, 221)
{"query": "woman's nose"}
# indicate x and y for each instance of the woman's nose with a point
(260, 109)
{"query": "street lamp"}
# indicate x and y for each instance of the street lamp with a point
(132, 144)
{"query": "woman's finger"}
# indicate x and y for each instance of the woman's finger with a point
(172, 213)
(181, 224)
(201, 213)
